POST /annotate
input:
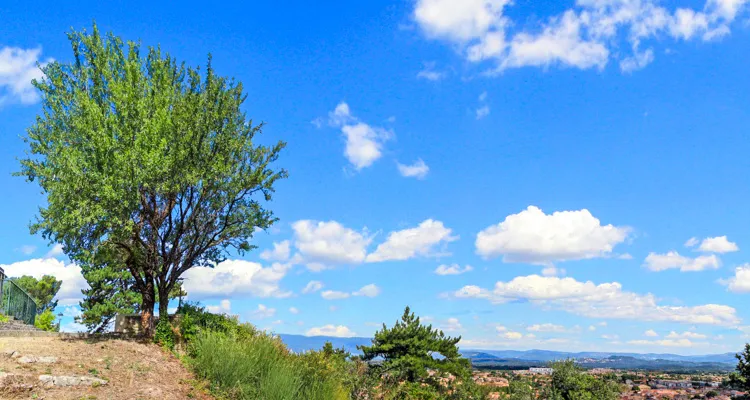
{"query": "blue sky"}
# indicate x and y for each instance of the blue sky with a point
(555, 158)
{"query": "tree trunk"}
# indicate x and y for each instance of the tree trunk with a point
(163, 302)
(147, 310)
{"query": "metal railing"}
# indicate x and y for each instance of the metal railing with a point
(16, 302)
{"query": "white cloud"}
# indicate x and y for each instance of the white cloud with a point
(453, 269)
(673, 260)
(18, 67)
(56, 250)
(72, 312)
(610, 337)
(334, 295)
(232, 278)
(740, 282)
(370, 290)
(280, 252)
(73, 327)
(686, 335)
(651, 333)
(606, 300)
(692, 242)
(664, 343)
(482, 111)
(417, 170)
(331, 330)
(585, 34)
(429, 73)
(263, 312)
(364, 143)
(535, 237)
(413, 242)
(718, 244)
(451, 325)
(224, 307)
(70, 275)
(546, 328)
(325, 243)
(27, 249)
(293, 310)
(312, 287)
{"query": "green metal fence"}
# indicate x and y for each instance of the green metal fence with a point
(17, 303)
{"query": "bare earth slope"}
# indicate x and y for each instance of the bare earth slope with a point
(127, 369)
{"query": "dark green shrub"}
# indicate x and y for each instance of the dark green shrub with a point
(164, 334)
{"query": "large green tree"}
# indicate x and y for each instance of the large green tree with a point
(740, 379)
(43, 290)
(149, 159)
(409, 350)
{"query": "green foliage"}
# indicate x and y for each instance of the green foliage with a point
(43, 291)
(164, 334)
(243, 363)
(46, 321)
(569, 382)
(409, 349)
(520, 389)
(741, 379)
(147, 160)
(4, 318)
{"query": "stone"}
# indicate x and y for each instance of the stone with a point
(34, 359)
(51, 380)
(11, 354)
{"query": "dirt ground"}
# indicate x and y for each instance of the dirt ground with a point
(133, 370)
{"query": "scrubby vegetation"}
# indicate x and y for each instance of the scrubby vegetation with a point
(240, 362)
(46, 321)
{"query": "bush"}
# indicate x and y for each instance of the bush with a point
(4, 318)
(164, 334)
(45, 321)
(260, 367)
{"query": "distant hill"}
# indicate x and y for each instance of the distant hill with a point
(534, 358)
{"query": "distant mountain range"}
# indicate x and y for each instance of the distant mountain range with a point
(532, 358)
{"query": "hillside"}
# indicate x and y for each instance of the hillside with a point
(43, 367)
(534, 358)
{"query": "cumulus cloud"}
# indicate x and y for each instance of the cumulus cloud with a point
(364, 143)
(673, 260)
(587, 34)
(331, 330)
(453, 269)
(70, 275)
(606, 300)
(546, 328)
(665, 343)
(293, 310)
(263, 312)
(235, 278)
(312, 287)
(740, 282)
(417, 170)
(55, 251)
(651, 333)
(413, 242)
(18, 67)
(719, 244)
(334, 295)
(686, 335)
(370, 290)
(280, 252)
(321, 244)
(451, 325)
(535, 237)
(224, 307)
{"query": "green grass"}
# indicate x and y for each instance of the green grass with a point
(259, 367)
